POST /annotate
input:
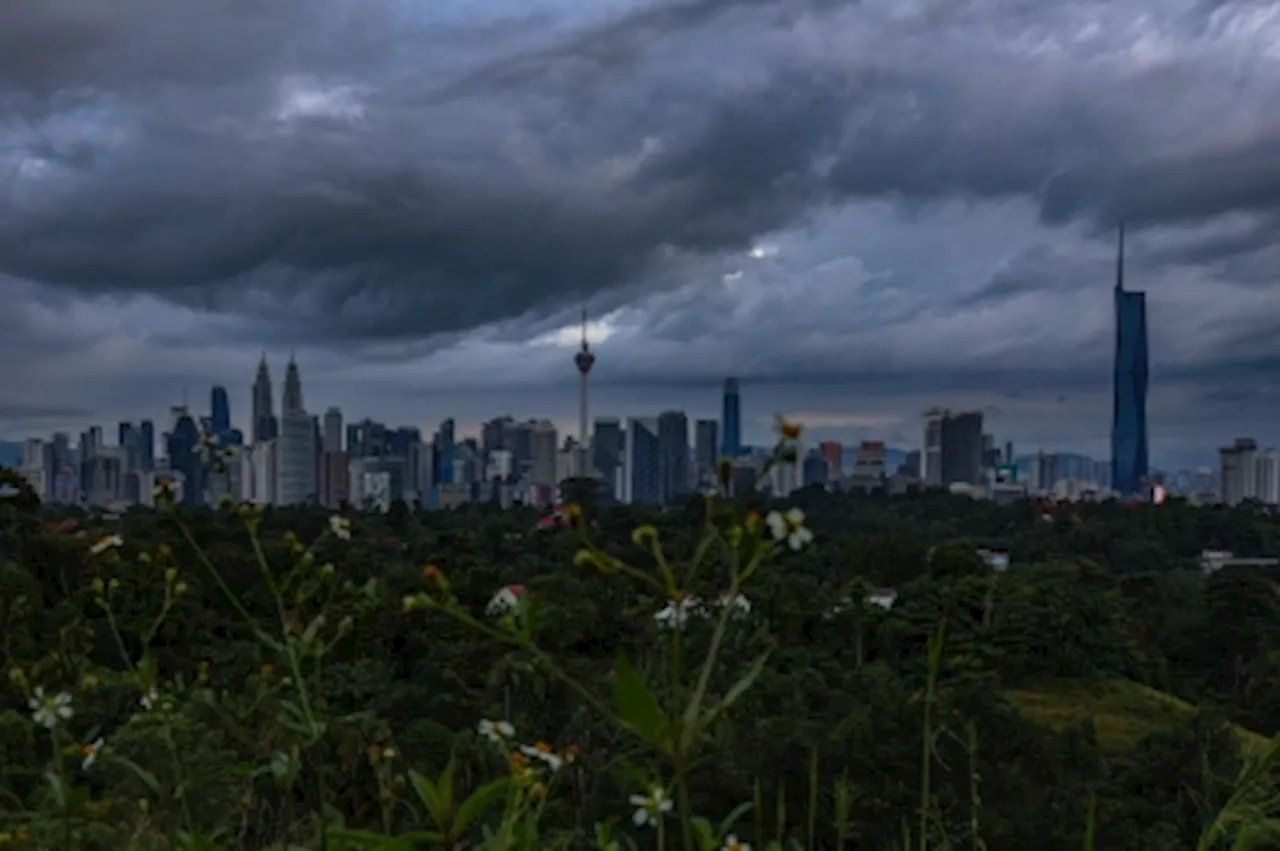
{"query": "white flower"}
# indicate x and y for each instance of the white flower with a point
(340, 527)
(106, 543)
(495, 731)
(148, 700)
(543, 751)
(505, 601)
(90, 752)
(789, 527)
(741, 605)
(650, 808)
(674, 615)
(50, 711)
(731, 843)
(8, 491)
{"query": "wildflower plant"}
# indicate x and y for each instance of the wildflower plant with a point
(673, 720)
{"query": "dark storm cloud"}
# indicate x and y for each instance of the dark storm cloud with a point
(411, 192)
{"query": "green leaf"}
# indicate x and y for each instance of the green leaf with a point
(730, 820)
(430, 798)
(636, 704)
(148, 779)
(477, 802)
(739, 689)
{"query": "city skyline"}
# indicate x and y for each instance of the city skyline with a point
(861, 211)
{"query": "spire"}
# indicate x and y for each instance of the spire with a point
(1120, 261)
(584, 328)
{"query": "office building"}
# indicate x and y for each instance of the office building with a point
(962, 449)
(1238, 473)
(1129, 384)
(673, 452)
(265, 425)
(706, 449)
(641, 460)
(731, 420)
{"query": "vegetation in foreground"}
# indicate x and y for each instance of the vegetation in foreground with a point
(711, 677)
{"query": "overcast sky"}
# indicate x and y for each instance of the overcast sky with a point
(860, 209)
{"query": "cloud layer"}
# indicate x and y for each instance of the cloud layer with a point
(414, 194)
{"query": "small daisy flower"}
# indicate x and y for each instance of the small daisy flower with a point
(505, 601)
(740, 604)
(105, 543)
(789, 527)
(495, 731)
(340, 527)
(731, 843)
(650, 808)
(50, 711)
(543, 751)
(90, 753)
(675, 614)
(148, 699)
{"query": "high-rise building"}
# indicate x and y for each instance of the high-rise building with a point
(544, 449)
(292, 400)
(833, 451)
(962, 443)
(706, 449)
(183, 449)
(731, 419)
(931, 450)
(219, 411)
(146, 445)
(333, 430)
(265, 425)
(1267, 477)
(1129, 404)
(296, 450)
(443, 453)
(673, 451)
(584, 359)
(607, 442)
(642, 470)
(1238, 478)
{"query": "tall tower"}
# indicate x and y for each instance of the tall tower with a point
(1129, 384)
(731, 420)
(292, 388)
(263, 405)
(584, 359)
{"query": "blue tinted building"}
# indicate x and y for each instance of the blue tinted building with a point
(1129, 405)
(642, 462)
(731, 421)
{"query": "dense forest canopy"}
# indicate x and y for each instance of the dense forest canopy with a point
(1104, 681)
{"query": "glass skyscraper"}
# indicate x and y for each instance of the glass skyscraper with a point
(731, 420)
(1129, 406)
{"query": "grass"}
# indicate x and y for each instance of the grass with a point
(1123, 712)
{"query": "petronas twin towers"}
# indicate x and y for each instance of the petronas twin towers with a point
(288, 442)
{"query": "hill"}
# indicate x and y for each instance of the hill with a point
(1123, 712)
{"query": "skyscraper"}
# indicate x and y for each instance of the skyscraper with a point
(673, 454)
(219, 411)
(296, 450)
(731, 420)
(641, 460)
(292, 400)
(264, 421)
(706, 445)
(1129, 406)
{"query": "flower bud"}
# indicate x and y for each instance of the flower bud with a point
(180, 588)
(99, 587)
(170, 575)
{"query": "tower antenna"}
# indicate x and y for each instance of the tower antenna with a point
(1120, 260)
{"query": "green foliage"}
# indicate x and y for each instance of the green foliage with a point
(283, 679)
